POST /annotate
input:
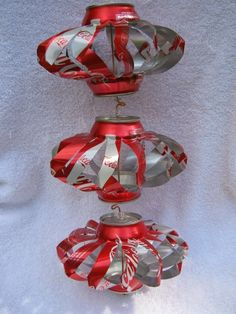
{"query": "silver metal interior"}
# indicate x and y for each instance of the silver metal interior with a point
(120, 219)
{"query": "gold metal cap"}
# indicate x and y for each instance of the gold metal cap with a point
(117, 119)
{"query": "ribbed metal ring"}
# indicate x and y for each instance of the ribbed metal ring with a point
(118, 119)
(104, 4)
(127, 219)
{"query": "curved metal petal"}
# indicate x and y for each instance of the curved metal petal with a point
(143, 35)
(149, 266)
(72, 53)
(71, 265)
(110, 161)
(85, 156)
(165, 161)
(58, 43)
(100, 267)
(172, 250)
(171, 50)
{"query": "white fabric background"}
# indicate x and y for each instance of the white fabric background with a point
(194, 103)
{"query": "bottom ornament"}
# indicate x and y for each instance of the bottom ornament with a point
(122, 253)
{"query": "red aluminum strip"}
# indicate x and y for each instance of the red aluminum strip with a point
(77, 258)
(121, 52)
(155, 253)
(101, 265)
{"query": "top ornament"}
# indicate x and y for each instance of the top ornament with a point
(112, 50)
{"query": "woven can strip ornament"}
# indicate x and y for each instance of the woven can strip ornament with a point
(122, 253)
(114, 160)
(112, 50)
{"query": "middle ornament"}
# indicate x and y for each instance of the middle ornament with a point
(117, 158)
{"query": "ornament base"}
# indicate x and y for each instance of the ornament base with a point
(118, 197)
(119, 86)
(122, 253)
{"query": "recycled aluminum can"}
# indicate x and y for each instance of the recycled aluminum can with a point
(110, 12)
(113, 159)
(122, 253)
(112, 50)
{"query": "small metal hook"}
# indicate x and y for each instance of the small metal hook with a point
(116, 207)
(117, 211)
(120, 103)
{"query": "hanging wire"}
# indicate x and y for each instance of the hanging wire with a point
(120, 103)
(116, 208)
(117, 211)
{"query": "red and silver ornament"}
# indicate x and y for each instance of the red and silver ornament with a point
(112, 50)
(122, 253)
(112, 160)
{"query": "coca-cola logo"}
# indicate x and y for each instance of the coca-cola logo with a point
(128, 256)
(110, 163)
(104, 285)
(61, 42)
(84, 161)
(85, 35)
(130, 263)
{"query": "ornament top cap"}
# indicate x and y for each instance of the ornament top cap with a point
(117, 119)
(95, 5)
(120, 219)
